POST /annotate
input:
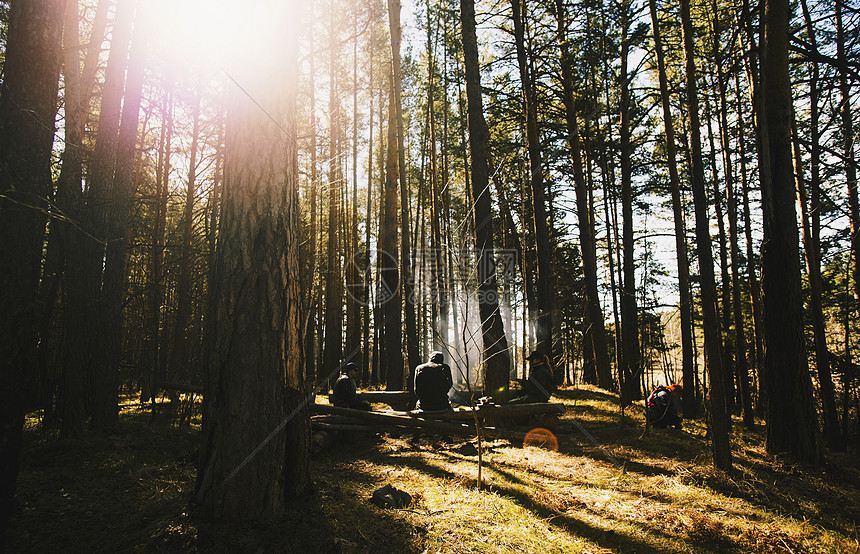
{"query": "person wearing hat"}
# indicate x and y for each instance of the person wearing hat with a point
(540, 385)
(433, 380)
(345, 392)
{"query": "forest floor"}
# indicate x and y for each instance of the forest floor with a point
(608, 488)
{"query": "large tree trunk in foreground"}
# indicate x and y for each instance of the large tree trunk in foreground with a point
(254, 376)
(28, 103)
(792, 422)
(497, 361)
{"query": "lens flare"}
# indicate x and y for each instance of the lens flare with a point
(541, 438)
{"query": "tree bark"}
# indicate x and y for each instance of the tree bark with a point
(389, 293)
(810, 212)
(28, 104)
(740, 340)
(412, 354)
(792, 421)
(97, 211)
(690, 399)
(596, 331)
(540, 218)
(631, 360)
(116, 230)
(720, 419)
(254, 382)
(497, 361)
(333, 350)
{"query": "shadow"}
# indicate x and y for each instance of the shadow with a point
(569, 523)
(130, 490)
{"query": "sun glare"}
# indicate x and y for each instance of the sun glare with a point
(226, 34)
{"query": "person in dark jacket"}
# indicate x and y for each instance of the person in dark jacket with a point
(433, 380)
(345, 393)
(540, 385)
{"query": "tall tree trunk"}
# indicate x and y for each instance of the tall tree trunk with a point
(333, 350)
(122, 193)
(28, 104)
(756, 79)
(497, 361)
(690, 398)
(720, 419)
(724, 303)
(832, 434)
(247, 467)
(353, 297)
(752, 280)
(78, 306)
(792, 421)
(389, 292)
(740, 341)
(596, 331)
(104, 372)
(366, 357)
(179, 353)
(543, 247)
(65, 236)
(408, 283)
(309, 282)
(631, 361)
(438, 291)
(848, 139)
(810, 211)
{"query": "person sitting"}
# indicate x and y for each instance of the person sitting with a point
(433, 380)
(345, 393)
(661, 408)
(540, 385)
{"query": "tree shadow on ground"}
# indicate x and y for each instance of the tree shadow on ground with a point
(566, 521)
(130, 490)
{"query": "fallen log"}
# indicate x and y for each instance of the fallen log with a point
(386, 396)
(488, 432)
(182, 387)
(415, 423)
(467, 413)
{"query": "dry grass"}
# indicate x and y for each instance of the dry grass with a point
(607, 489)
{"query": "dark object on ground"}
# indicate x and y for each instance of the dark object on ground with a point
(390, 497)
(661, 408)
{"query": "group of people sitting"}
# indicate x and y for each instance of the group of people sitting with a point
(433, 381)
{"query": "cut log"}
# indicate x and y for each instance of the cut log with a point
(466, 413)
(386, 396)
(416, 423)
(182, 387)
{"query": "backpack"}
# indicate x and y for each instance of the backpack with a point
(658, 404)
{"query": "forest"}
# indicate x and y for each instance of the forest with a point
(207, 209)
